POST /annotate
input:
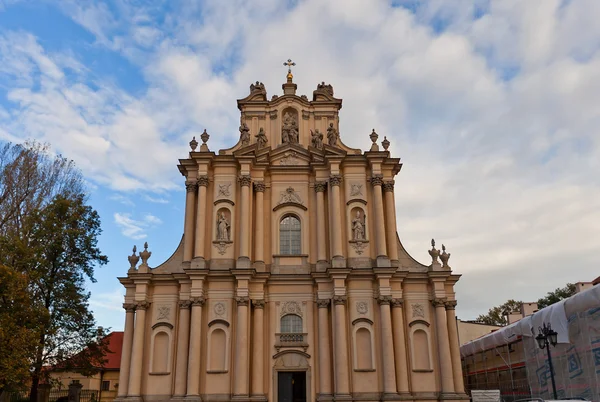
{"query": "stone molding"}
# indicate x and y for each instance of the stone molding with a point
(191, 187)
(396, 302)
(323, 303)
(335, 180)
(245, 180)
(388, 185)
(384, 300)
(259, 186)
(340, 299)
(377, 180)
(142, 305)
(438, 302)
(197, 301)
(185, 304)
(242, 300)
(450, 305)
(202, 181)
(258, 303)
(320, 186)
(129, 307)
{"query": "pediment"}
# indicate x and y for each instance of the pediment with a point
(248, 150)
(290, 155)
(329, 150)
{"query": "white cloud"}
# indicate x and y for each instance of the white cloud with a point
(503, 171)
(135, 229)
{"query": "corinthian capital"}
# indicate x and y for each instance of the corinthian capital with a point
(197, 301)
(397, 302)
(377, 180)
(450, 305)
(259, 303)
(384, 300)
(203, 181)
(142, 305)
(323, 303)
(339, 299)
(242, 300)
(335, 180)
(259, 186)
(388, 186)
(320, 186)
(129, 307)
(245, 180)
(438, 302)
(191, 186)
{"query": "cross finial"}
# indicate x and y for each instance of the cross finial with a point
(289, 63)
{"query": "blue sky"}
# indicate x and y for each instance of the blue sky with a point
(492, 106)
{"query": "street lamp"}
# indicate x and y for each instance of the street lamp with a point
(545, 338)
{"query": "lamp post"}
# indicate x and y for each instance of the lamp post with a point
(545, 338)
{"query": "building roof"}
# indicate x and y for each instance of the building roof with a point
(115, 345)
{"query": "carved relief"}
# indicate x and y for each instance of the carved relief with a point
(222, 246)
(362, 307)
(359, 247)
(355, 189)
(224, 190)
(289, 129)
(291, 307)
(289, 195)
(290, 159)
(163, 313)
(418, 310)
(220, 309)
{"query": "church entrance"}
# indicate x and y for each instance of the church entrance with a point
(291, 386)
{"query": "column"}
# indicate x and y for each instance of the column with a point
(342, 386)
(379, 222)
(387, 345)
(257, 349)
(183, 340)
(259, 245)
(188, 225)
(324, 343)
(321, 238)
(459, 385)
(240, 385)
(390, 219)
(137, 352)
(336, 224)
(441, 328)
(126, 352)
(244, 217)
(201, 217)
(400, 346)
(193, 378)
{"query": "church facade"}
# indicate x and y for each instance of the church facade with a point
(290, 282)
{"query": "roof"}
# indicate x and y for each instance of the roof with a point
(115, 345)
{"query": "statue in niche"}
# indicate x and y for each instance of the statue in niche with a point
(358, 227)
(244, 134)
(261, 138)
(289, 131)
(316, 138)
(223, 228)
(332, 135)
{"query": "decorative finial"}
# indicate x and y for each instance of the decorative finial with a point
(145, 255)
(373, 136)
(194, 144)
(385, 143)
(204, 137)
(289, 63)
(445, 257)
(133, 259)
(434, 253)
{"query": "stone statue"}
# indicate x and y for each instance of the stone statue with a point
(261, 138)
(289, 131)
(332, 135)
(358, 227)
(222, 228)
(316, 138)
(244, 134)
(434, 253)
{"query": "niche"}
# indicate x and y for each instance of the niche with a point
(358, 224)
(161, 353)
(223, 225)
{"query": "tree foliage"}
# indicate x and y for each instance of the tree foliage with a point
(498, 315)
(559, 294)
(48, 238)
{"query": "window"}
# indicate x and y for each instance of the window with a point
(289, 235)
(291, 324)
(105, 386)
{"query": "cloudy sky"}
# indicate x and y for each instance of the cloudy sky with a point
(493, 106)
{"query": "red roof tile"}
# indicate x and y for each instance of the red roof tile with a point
(115, 345)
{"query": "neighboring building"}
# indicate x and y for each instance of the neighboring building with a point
(290, 282)
(509, 359)
(106, 381)
(469, 330)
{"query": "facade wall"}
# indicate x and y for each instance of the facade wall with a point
(233, 309)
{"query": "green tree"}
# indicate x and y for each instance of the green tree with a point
(559, 294)
(48, 235)
(498, 315)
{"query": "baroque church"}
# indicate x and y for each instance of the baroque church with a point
(290, 282)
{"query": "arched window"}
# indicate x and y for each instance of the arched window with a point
(289, 235)
(291, 324)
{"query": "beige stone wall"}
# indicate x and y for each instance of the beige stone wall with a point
(467, 331)
(208, 322)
